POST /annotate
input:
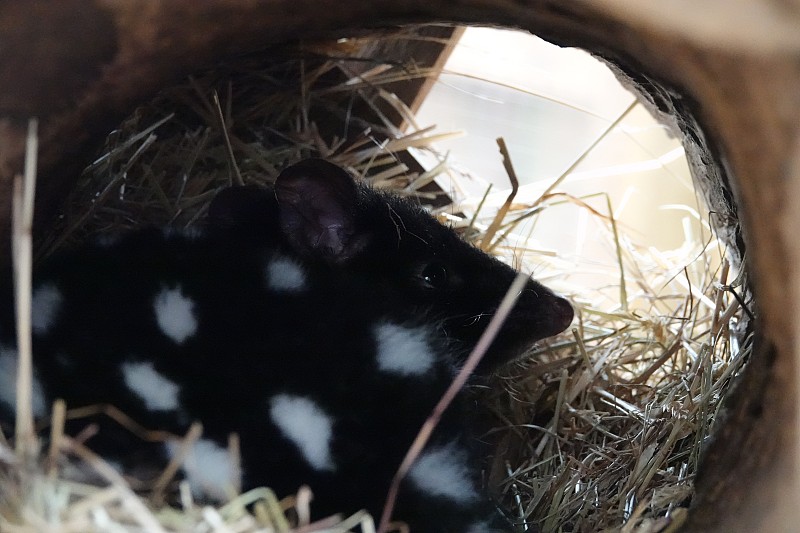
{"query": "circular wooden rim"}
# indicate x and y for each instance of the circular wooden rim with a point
(730, 81)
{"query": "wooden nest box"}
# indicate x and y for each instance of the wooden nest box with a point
(726, 71)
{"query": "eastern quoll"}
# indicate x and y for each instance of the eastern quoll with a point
(320, 321)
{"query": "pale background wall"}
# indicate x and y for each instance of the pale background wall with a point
(554, 106)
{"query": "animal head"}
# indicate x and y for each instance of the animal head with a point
(390, 243)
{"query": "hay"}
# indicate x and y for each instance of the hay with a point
(601, 428)
(242, 124)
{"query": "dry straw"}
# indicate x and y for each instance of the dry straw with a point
(599, 429)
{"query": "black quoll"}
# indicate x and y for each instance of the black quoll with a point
(320, 321)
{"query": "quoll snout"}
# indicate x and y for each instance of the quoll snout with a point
(556, 311)
(563, 315)
(320, 321)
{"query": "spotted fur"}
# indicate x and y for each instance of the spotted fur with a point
(320, 321)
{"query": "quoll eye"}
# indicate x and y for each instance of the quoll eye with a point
(433, 275)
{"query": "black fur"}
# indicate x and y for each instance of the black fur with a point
(366, 258)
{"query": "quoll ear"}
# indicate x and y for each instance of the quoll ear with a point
(317, 202)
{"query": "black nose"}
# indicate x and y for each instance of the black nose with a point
(562, 314)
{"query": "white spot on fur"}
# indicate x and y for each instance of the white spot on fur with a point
(284, 274)
(191, 233)
(305, 424)
(45, 304)
(175, 314)
(403, 350)
(107, 240)
(8, 384)
(208, 469)
(157, 392)
(441, 471)
(480, 527)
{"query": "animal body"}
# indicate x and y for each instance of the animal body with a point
(320, 321)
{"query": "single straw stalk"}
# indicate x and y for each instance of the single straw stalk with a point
(24, 188)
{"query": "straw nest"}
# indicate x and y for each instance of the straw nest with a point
(601, 428)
